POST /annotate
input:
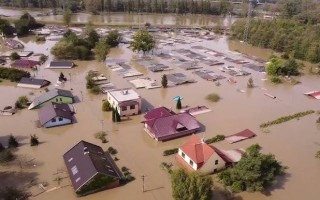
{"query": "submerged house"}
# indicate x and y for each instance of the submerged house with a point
(61, 64)
(91, 169)
(126, 101)
(56, 95)
(196, 155)
(25, 63)
(33, 83)
(163, 124)
(55, 114)
(13, 44)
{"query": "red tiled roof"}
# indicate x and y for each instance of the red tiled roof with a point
(198, 151)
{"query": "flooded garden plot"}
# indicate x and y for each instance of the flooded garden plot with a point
(178, 79)
(137, 151)
(153, 65)
(209, 75)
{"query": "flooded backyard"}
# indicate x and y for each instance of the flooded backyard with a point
(294, 143)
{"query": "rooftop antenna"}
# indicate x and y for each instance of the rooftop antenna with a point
(249, 18)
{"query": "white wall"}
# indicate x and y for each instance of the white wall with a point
(187, 159)
(115, 104)
(57, 123)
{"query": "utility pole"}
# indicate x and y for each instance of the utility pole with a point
(249, 18)
(142, 177)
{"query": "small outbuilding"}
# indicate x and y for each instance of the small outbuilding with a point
(56, 96)
(33, 83)
(91, 169)
(55, 114)
(126, 101)
(61, 64)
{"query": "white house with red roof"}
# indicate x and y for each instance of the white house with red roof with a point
(196, 155)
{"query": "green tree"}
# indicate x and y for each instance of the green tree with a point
(190, 186)
(101, 50)
(67, 14)
(93, 38)
(113, 38)
(43, 58)
(12, 142)
(14, 56)
(106, 106)
(34, 140)
(164, 81)
(12, 193)
(254, 172)
(25, 24)
(5, 27)
(22, 102)
(142, 41)
(179, 105)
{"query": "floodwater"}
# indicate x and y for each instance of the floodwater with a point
(294, 143)
(126, 18)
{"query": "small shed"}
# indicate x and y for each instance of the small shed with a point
(33, 83)
(62, 64)
(13, 44)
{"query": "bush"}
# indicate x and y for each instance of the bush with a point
(217, 138)
(14, 56)
(12, 142)
(40, 39)
(34, 140)
(22, 102)
(250, 83)
(95, 90)
(101, 135)
(13, 74)
(112, 151)
(6, 156)
(170, 152)
(276, 80)
(318, 154)
(318, 120)
(43, 58)
(106, 106)
(113, 38)
(213, 97)
(287, 118)
(166, 166)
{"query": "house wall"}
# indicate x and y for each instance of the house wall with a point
(29, 86)
(115, 104)
(210, 166)
(57, 122)
(187, 159)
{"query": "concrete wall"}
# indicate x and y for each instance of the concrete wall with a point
(57, 122)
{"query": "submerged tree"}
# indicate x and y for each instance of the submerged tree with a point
(34, 140)
(113, 38)
(190, 186)
(164, 81)
(14, 56)
(12, 142)
(101, 50)
(67, 14)
(179, 105)
(142, 41)
(254, 172)
(250, 83)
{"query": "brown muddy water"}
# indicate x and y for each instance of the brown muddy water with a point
(125, 18)
(294, 143)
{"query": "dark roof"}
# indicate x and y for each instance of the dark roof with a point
(12, 43)
(53, 110)
(25, 63)
(34, 81)
(61, 63)
(164, 123)
(85, 160)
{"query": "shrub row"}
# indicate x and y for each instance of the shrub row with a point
(13, 75)
(216, 138)
(170, 152)
(287, 118)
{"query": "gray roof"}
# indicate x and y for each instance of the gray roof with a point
(50, 95)
(61, 63)
(53, 110)
(85, 160)
(34, 81)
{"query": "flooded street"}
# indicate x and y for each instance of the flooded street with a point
(294, 143)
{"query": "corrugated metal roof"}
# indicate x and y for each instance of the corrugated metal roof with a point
(49, 95)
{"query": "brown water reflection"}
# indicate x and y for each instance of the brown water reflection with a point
(294, 143)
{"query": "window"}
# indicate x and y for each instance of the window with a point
(123, 108)
(191, 163)
(53, 120)
(183, 155)
(132, 107)
(74, 170)
(60, 99)
(60, 119)
(216, 162)
(57, 100)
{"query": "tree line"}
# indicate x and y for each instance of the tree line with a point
(299, 40)
(138, 6)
